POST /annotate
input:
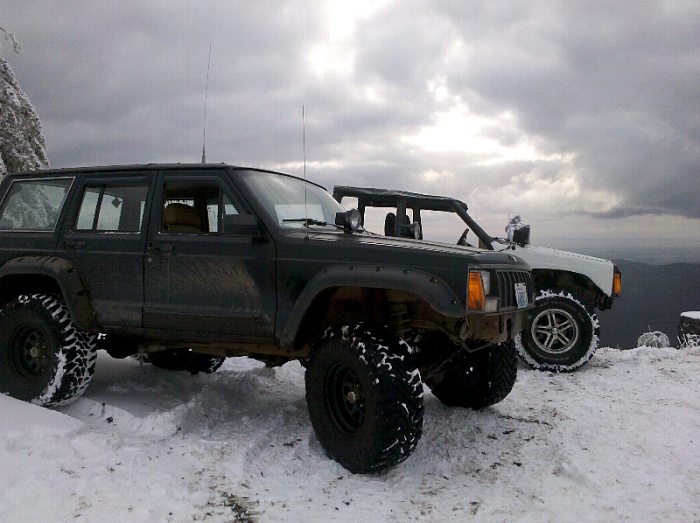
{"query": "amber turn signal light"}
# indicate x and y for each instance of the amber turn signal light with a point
(617, 284)
(476, 298)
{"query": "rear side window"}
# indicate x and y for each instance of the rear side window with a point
(34, 205)
(112, 208)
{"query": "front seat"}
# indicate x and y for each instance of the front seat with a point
(179, 217)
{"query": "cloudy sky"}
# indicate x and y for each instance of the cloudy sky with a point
(583, 117)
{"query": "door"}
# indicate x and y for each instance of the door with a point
(205, 280)
(105, 238)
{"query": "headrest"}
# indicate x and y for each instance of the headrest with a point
(181, 214)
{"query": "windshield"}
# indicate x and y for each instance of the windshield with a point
(292, 202)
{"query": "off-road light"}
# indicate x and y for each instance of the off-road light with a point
(476, 298)
(354, 219)
(349, 220)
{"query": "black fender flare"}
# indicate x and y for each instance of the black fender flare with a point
(438, 294)
(584, 286)
(66, 276)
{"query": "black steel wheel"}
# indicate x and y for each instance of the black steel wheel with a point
(345, 401)
(365, 404)
(563, 333)
(44, 358)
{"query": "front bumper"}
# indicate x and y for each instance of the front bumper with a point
(495, 328)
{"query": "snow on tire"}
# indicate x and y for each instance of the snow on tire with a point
(44, 358)
(365, 403)
(478, 379)
(563, 333)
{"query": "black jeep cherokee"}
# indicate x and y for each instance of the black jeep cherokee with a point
(189, 264)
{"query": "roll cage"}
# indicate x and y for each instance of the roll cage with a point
(403, 201)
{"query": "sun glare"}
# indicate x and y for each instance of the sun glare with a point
(458, 129)
(336, 54)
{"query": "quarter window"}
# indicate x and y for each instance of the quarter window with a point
(112, 208)
(34, 205)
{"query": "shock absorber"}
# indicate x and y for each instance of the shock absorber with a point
(398, 319)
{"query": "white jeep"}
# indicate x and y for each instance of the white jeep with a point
(563, 331)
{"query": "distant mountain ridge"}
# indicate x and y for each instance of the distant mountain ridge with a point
(653, 297)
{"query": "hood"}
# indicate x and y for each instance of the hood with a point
(600, 271)
(418, 252)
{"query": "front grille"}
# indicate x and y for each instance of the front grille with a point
(506, 286)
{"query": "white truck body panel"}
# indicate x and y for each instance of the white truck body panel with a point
(598, 270)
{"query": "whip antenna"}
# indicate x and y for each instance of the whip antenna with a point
(303, 146)
(303, 141)
(206, 95)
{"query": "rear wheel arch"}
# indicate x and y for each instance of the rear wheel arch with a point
(50, 276)
(13, 285)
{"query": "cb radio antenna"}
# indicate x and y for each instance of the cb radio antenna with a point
(303, 146)
(206, 95)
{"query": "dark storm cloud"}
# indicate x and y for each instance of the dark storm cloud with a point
(616, 83)
(126, 82)
(606, 92)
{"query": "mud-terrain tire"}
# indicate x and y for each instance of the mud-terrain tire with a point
(365, 403)
(186, 359)
(44, 358)
(477, 380)
(563, 332)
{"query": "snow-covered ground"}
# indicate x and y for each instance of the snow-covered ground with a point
(619, 440)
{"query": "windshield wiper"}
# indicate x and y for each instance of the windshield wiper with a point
(307, 222)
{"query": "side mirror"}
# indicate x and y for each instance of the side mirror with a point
(350, 220)
(522, 236)
(241, 225)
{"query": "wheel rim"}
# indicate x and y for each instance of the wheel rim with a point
(555, 331)
(345, 399)
(30, 352)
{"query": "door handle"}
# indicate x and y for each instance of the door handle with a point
(160, 248)
(74, 244)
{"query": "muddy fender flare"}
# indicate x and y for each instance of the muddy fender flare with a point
(434, 291)
(66, 276)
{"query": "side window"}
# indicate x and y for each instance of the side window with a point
(195, 208)
(112, 208)
(34, 205)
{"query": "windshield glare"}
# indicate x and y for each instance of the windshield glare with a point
(283, 197)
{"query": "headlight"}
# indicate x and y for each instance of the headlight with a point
(486, 280)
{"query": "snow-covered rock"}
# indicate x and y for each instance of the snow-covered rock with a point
(689, 329)
(22, 143)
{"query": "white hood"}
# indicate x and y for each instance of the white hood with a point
(598, 270)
